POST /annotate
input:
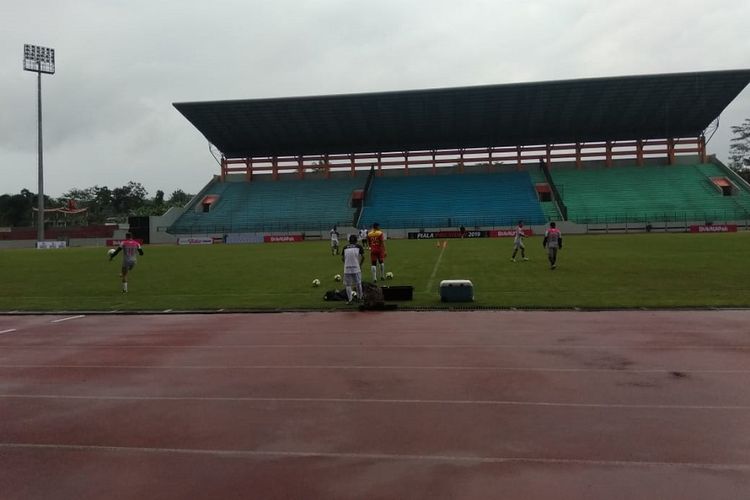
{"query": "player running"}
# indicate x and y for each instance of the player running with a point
(376, 239)
(129, 248)
(353, 256)
(552, 242)
(518, 242)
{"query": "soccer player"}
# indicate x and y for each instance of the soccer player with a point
(363, 237)
(376, 239)
(552, 242)
(334, 241)
(518, 242)
(353, 256)
(129, 248)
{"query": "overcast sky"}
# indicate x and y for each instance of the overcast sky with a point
(108, 115)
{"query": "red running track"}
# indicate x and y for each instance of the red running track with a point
(532, 405)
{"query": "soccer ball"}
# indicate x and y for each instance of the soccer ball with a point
(354, 295)
(389, 275)
(337, 277)
(316, 282)
(111, 252)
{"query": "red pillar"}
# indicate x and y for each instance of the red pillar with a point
(702, 148)
(518, 157)
(351, 159)
(223, 169)
(300, 167)
(608, 154)
(670, 151)
(639, 152)
(248, 169)
(275, 167)
(578, 155)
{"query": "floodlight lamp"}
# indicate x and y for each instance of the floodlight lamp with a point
(39, 59)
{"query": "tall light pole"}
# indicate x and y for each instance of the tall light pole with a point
(40, 60)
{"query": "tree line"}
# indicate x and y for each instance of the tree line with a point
(103, 204)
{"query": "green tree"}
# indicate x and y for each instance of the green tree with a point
(739, 150)
(128, 198)
(179, 198)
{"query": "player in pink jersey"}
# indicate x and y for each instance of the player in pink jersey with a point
(552, 242)
(129, 248)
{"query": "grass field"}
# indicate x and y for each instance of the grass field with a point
(605, 271)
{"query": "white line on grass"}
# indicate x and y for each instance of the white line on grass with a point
(68, 318)
(374, 367)
(428, 289)
(376, 456)
(453, 402)
(361, 347)
(7, 331)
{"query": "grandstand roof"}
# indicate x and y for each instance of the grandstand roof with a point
(566, 111)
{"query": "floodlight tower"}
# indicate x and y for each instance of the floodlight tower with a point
(40, 60)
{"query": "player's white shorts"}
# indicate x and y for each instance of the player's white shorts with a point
(519, 244)
(352, 279)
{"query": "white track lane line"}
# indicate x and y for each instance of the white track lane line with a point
(428, 288)
(451, 402)
(385, 346)
(374, 367)
(7, 331)
(68, 318)
(376, 456)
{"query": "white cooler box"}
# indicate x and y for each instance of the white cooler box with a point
(456, 291)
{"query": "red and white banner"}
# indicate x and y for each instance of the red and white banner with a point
(508, 233)
(282, 238)
(114, 243)
(195, 241)
(714, 228)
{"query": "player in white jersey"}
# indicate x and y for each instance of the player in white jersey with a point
(353, 256)
(518, 242)
(334, 241)
(552, 242)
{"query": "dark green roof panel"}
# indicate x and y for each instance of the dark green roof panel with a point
(599, 109)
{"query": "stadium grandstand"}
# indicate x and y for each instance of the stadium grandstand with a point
(612, 150)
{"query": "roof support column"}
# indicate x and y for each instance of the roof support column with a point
(223, 169)
(670, 151)
(351, 160)
(639, 152)
(519, 149)
(549, 156)
(406, 163)
(300, 167)
(461, 161)
(434, 163)
(249, 169)
(327, 166)
(702, 148)
(578, 155)
(489, 159)
(380, 163)
(608, 154)
(275, 167)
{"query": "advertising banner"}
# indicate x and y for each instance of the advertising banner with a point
(195, 241)
(714, 228)
(431, 235)
(114, 243)
(282, 238)
(508, 233)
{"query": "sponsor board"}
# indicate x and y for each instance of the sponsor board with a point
(714, 228)
(115, 243)
(46, 245)
(431, 235)
(195, 241)
(282, 238)
(241, 238)
(508, 233)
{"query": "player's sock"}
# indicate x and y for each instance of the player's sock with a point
(360, 293)
(124, 286)
(382, 270)
(374, 273)
(348, 293)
